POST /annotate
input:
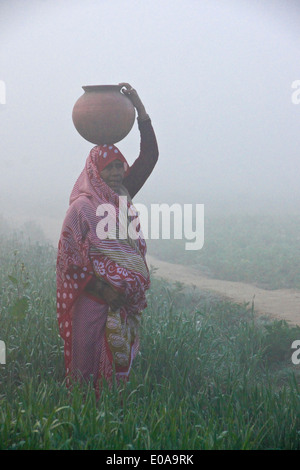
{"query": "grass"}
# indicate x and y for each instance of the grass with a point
(209, 375)
(263, 249)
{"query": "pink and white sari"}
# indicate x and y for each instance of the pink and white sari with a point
(98, 341)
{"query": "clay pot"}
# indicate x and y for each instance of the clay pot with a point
(103, 115)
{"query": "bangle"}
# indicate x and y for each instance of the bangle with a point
(145, 118)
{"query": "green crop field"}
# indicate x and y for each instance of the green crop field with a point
(209, 375)
(263, 249)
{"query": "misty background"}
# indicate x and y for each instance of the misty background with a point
(215, 77)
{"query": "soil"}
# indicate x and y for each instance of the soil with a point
(281, 304)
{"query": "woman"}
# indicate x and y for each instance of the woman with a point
(102, 280)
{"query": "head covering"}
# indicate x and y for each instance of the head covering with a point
(105, 154)
(90, 183)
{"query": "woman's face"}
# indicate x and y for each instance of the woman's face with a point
(113, 174)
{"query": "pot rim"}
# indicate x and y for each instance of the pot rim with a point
(102, 87)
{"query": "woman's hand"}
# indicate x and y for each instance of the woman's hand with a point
(131, 93)
(113, 298)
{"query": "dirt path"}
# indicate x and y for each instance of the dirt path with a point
(283, 304)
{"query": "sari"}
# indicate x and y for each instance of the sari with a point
(98, 342)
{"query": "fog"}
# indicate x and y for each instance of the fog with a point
(215, 76)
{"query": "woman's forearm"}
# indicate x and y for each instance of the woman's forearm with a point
(144, 164)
